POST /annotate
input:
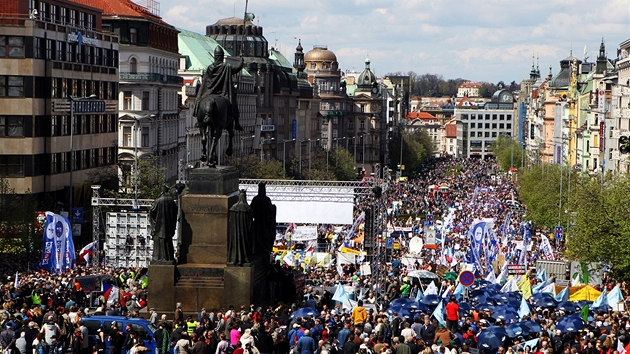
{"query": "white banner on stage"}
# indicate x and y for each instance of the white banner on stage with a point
(304, 233)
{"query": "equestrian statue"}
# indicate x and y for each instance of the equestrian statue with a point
(216, 107)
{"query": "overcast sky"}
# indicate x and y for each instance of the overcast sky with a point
(478, 40)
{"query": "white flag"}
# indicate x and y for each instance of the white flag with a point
(510, 286)
(491, 277)
(431, 289)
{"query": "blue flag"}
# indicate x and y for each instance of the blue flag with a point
(614, 296)
(563, 295)
(601, 300)
(438, 313)
(542, 275)
(419, 295)
(523, 310)
(58, 247)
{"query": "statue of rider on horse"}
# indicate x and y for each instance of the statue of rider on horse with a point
(215, 107)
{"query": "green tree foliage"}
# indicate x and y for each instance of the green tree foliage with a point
(417, 148)
(601, 223)
(507, 152)
(249, 166)
(540, 191)
(18, 234)
(150, 178)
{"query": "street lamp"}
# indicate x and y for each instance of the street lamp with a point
(284, 154)
(262, 142)
(135, 144)
(72, 101)
(242, 139)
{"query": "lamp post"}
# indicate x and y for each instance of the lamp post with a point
(262, 143)
(72, 102)
(284, 154)
(243, 138)
(363, 153)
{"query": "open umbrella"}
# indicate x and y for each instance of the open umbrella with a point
(450, 276)
(401, 311)
(499, 300)
(478, 292)
(545, 301)
(484, 299)
(489, 340)
(514, 330)
(572, 323)
(484, 307)
(415, 306)
(567, 306)
(465, 306)
(505, 315)
(431, 300)
(304, 312)
(530, 327)
(401, 301)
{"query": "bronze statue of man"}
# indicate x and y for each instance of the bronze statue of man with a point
(163, 220)
(217, 80)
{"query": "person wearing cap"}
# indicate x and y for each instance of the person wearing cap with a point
(153, 317)
(443, 334)
(55, 346)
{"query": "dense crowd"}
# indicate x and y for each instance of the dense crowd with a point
(44, 313)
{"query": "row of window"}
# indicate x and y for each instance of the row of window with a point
(73, 52)
(47, 164)
(494, 125)
(11, 47)
(65, 16)
(127, 137)
(483, 134)
(22, 126)
(487, 116)
(28, 86)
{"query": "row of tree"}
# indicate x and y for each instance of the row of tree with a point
(434, 85)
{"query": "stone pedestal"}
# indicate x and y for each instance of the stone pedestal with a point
(238, 286)
(161, 286)
(222, 180)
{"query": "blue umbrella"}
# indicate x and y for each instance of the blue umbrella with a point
(498, 299)
(514, 330)
(402, 312)
(401, 301)
(484, 307)
(583, 303)
(505, 315)
(431, 300)
(604, 308)
(416, 306)
(567, 306)
(465, 306)
(530, 327)
(478, 292)
(483, 299)
(514, 296)
(489, 340)
(304, 312)
(514, 304)
(572, 323)
(545, 301)
(497, 329)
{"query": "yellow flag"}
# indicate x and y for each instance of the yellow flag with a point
(524, 287)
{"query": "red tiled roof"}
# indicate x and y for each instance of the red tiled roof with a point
(120, 8)
(420, 115)
(470, 84)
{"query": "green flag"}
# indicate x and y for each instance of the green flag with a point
(585, 276)
(584, 313)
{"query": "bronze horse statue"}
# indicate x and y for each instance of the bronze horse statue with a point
(215, 107)
(212, 118)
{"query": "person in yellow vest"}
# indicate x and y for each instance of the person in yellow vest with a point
(191, 325)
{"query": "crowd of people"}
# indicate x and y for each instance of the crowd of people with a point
(43, 313)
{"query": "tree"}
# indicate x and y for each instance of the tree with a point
(18, 235)
(417, 148)
(344, 164)
(249, 166)
(150, 179)
(539, 189)
(507, 152)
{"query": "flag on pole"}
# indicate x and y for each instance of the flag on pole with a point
(542, 275)
(601, 300)
(431, 289)
(549, 289)
(563, 295)
(419, 295)
(524, 287)
(614, 297)
(523, 310)
(16, 284)
(491, 277)
(620, 348)
(110, 293)
(340, 294)
(438, 313)
(503, 275)
(584, 313)
(510, 286)
(87, 251)
(57, 246)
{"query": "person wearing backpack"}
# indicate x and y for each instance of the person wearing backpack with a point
(55, 347)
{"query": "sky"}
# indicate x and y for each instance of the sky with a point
(477, 40)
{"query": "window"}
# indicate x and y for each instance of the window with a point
(127, 137)
(494, 134)
(494, 125)
(133, 35)
(11, 126)
(473, 116)
(145, 100)
(11, 166)
(91, 19)
(145, 137)
(508, 126)
(501, 117)
(102, 126)
(64, 15)
(509, 117)
(312, 65)
(464, 116)
(472, 125)
(133, 66)
(362, 124)
(127, 100)
(501, 126)
(12, 47)
(81, 19)
(73, 17)
(472, 134)
(50, 49)
(53, 13)
(479, 134)
(11, 86)
(494, 117)
(487, 134)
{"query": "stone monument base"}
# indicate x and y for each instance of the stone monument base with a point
(238, 286)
